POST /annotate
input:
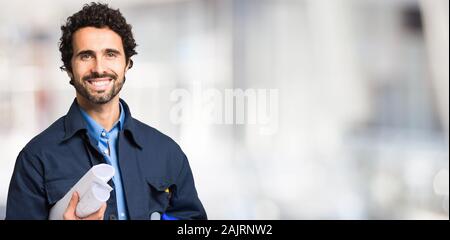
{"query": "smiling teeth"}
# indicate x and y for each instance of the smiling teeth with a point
(100, 83)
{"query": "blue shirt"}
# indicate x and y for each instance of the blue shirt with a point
(107, 144)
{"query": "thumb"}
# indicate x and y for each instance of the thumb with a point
(73, 201)
(70, 211)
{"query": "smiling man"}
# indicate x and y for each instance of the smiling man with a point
(153, 176)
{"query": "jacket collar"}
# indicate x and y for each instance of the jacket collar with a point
(129, 125)
(74, 122)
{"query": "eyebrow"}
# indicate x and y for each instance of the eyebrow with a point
(111, 50)
(90, 52)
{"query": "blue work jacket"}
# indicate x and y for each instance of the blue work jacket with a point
(156, 175)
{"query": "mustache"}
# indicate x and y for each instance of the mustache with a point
(98, 75)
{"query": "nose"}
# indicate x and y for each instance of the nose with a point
(99, 66)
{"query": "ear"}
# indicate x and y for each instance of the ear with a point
(71, 77)
(129, 64)
(68, 74)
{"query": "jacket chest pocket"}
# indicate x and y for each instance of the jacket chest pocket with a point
(161, 191)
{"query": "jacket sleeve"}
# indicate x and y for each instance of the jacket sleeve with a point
(26, 195)
(185, 203)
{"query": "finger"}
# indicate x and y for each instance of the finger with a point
(73, 201)
(102, 211)
(70, 210)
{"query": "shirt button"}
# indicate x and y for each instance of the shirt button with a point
(103, 134)
(105, 151)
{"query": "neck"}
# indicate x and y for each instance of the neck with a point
(104, 114)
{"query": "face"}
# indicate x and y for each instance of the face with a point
(98, 64)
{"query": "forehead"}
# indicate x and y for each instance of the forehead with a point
(96, 39)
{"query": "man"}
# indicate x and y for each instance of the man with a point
(153, 175)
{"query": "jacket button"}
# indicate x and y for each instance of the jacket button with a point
(112, 217)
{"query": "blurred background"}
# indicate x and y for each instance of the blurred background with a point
(360, 122)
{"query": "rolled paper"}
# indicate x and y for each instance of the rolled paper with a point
(92, 200)
(93, 190)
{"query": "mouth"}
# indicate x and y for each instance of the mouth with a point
(99, 84)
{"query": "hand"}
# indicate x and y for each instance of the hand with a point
(70, 214)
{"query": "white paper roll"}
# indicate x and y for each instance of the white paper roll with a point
(93, 190)
(92, 200)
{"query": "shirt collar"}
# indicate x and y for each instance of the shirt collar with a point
(75, 122)
(94, 129)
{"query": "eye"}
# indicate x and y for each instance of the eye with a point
(111, 55)
(85, 57)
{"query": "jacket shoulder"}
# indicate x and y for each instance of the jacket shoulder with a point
(47, 138)
(152, 136)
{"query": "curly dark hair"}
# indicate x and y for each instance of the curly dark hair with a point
(95, 15)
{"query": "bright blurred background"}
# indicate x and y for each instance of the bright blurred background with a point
(362, 121)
